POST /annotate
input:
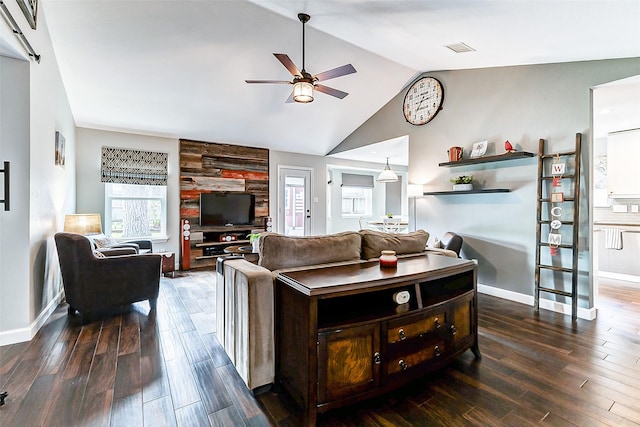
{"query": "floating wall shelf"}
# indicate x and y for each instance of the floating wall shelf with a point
(488, 159)
(488, 190)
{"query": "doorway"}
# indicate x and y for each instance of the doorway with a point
(614, 109)
(294, 201)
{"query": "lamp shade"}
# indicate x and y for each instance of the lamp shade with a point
(387, 175)
(302, 92)
(83, 224)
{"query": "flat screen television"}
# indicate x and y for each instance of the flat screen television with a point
(225, 209)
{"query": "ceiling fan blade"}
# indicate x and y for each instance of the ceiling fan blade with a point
(331, 91)
(336, 72)
(269, 81)
(288, 63)
(290, 99)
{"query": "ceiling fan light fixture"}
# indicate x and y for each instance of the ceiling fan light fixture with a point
(303, 92)
(387, 175)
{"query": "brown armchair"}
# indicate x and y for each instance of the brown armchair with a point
(95, 285)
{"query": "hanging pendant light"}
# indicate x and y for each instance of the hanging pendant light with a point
(387, 175)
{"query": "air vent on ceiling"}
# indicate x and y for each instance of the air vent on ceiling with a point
(461, 47)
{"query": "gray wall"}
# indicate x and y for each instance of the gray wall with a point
(521, 104)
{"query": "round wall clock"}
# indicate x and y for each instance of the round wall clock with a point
(423, 100)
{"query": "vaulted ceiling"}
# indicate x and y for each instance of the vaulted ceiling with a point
(178, 68)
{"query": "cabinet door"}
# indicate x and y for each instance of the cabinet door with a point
(463, 317)
(348, 361)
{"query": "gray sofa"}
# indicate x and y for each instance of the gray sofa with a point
(245, 291)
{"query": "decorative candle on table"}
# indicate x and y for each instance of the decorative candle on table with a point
(388, 259)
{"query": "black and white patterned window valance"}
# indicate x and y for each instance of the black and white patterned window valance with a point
(124, 166)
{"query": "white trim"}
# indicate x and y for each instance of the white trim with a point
(558, 307)
(619, 276)
(26, 334)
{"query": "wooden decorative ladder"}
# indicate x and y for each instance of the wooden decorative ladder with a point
(548, 176)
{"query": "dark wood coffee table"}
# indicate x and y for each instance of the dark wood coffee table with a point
(341, 337)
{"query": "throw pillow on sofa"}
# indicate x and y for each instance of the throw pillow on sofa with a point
(102, 241)
(374, 242)
(278, 251)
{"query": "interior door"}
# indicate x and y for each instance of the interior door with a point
(294, 201)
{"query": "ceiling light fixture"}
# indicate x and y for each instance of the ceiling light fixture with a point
(303, 92)
(387, 175)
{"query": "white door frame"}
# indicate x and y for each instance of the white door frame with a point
(307, 174)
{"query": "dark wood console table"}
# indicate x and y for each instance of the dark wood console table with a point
(341, 337)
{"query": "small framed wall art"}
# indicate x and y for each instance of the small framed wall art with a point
(479, 148)
(60, 155)
(30, 10)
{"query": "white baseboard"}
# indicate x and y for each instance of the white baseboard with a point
(25, 334)
(558, 307)
(619, 276)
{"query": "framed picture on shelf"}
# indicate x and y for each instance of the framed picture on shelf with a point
(479, 148)
(30, 10)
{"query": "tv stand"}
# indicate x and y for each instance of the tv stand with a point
(208, 243)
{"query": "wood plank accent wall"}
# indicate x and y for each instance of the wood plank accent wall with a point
(207, 167)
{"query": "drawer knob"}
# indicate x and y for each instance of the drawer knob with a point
(437, 351)
(401, 334)
(436, 322)
(403, 365)
(453, 329)
(376, 358)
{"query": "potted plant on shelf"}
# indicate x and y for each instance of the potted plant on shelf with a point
(462, 183)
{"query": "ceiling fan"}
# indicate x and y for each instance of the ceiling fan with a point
(303, 82)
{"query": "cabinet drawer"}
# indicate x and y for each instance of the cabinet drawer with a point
(401, 329)
(404, 363)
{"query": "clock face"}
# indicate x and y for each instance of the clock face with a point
(423, 100)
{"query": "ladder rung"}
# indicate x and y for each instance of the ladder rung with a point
(565, 246)
(549, 222)
(556, 291)
(551, 156)
(554, 268)
(566, 199)
(563, 176)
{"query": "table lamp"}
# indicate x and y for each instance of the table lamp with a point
(83, 224)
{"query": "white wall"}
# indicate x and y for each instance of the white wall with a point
(521, 104)
(42, 192)
(90, 189)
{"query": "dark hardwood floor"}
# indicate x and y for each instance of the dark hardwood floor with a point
(167, 368)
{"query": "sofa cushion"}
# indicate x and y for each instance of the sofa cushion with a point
(374, 242)
(278, 251)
